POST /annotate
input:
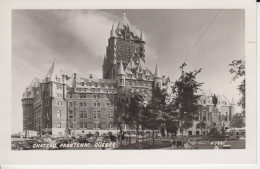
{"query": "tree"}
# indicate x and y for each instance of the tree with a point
(128, 107)
(237, 121)
(121, 103)
(152, 114)
(238, 71)
(201, 125)
(185, 97)
(135, 109)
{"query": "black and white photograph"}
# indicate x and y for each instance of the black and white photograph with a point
(127, 83)
(128, 79)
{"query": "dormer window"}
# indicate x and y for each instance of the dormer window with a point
(130, 76)
(82, 83)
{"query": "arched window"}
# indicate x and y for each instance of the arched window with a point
(204, 115)
(226, 116)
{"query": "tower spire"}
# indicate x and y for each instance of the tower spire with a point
(141, 35)
(112, 33)
(121, 69)
(157, 72)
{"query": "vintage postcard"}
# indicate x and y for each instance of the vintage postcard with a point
(88, 82)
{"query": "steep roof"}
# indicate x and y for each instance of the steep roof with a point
(53, 74)
(29, 91)
(157, 72)
(121, 69)
(125, 23)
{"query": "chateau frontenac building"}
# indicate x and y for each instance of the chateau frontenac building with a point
(58, 102)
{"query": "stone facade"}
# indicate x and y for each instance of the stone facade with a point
(60, 103)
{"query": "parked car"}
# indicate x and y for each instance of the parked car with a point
(102, 139)
(22, 145)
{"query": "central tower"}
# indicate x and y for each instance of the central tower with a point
(124, 44)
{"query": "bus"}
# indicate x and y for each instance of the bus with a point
(236, 132)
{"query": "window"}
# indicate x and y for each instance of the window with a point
(70, 125)
(58, 86)
(98, 104)
(59, 94)
(96, 96)
(97, 90)
(111, 115)
(81, 114)
(130, 76)
(83, 96)
(70, 104)
(204, 115)
(97, 114)
(59, 103)
(81, 125)
(82, 83)
(81, 104)
(122, 81)
(204, 101)
(85, 115)
(139, 76)
(70, 114)
(226, 116)
(108, 104)
(59, 113)
(102, 85)
(92, 90)
(97, 125)
(58, 125)
(85, 104)
(96, 85)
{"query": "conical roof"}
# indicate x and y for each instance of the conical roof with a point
(112, 33)
(157, 72)
(53, 74)
(141, 35)
(121, 69)
(125, 23)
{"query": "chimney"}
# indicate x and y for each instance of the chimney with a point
(90, 76)
(163, 79)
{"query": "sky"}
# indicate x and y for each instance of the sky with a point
(77, 39)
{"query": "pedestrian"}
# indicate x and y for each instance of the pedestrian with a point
(174, 143)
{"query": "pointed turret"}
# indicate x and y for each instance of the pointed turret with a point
(121, 69)
(125, 23)
(51, 70)
(112, 33)
(157, 77)
(104, 60)
(121, 75)
(141, 36)
(157, 72)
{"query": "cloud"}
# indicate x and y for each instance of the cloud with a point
(92, 29)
